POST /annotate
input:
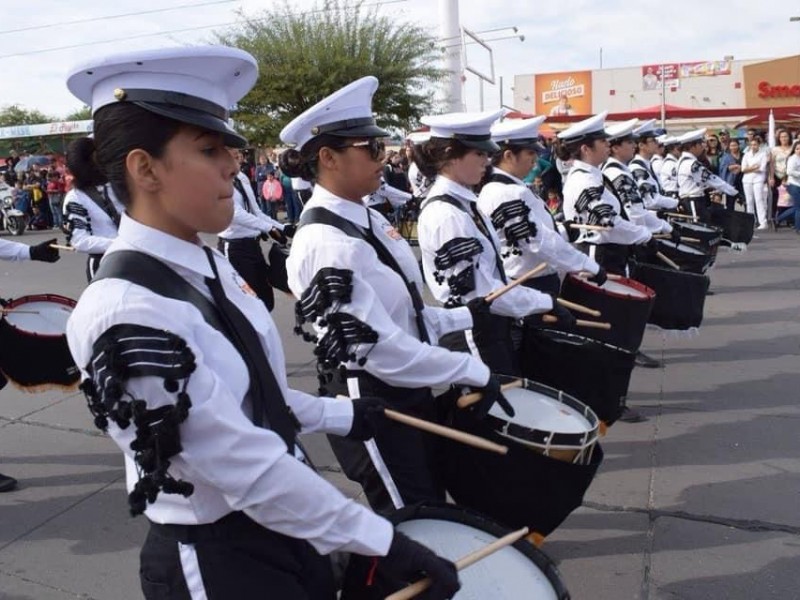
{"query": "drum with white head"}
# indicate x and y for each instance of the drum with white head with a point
(688, 258)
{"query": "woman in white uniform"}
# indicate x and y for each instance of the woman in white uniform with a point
(359, 286)
(183, 365)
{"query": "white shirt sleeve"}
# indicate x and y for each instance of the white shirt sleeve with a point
(224, 450)
(14, 251)
(81, 237)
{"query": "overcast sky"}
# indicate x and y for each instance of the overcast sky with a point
(559, 35)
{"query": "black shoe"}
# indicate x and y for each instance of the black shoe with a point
(7, 483)
(642, 360)
(709, 293)
(631, 416)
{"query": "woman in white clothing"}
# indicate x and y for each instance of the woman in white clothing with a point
(754, 176)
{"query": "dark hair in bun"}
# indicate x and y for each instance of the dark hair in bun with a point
(82, 163)
(432, 155)
(305, 162)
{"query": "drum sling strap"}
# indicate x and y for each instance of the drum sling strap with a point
(269, 407)
(480, 224)
(323, 216)
(505, 179)
(104, 203)
(237, 183)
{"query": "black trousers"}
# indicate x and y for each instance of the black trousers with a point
(232, 558)
(92, 264)
(612, 257)
(303, 196)
(493, 345)
(399, 466)
(701, 206)
(247, 258)
(549, 284)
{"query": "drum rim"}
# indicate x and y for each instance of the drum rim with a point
(670, 270)
(568, 334)
(550, 440)
(22, 300)
(630, 282)
(680, 248)
(473, 518)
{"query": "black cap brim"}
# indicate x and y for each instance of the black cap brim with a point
(363, 131)
(484, 145)
(200, 119)
(534, 145)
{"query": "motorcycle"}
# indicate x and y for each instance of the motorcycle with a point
(10, 218)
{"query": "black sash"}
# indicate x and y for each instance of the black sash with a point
(104, 203)
(323, 216)
(237, 183)
(480, 224)
(151, 273)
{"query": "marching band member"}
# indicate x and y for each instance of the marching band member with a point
(183, 365)
(658, 155)
(524, 226)
(92, 209)
(420, 184)
(694, 179)
(461, 255)
(240, 242)
(386, 193)
(644, 171)
(668, 173)
(623, 184)
(359, 285)
(588, 201)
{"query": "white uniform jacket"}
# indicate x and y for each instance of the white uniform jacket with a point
(14, 251)
(586, 200)
(668, 175)
(460, 262)
(388, 193)
(694, 178)
(92, 230)
(377, 302)
(649, 185)
(624, 184)
(511, 207)
(419, 183)
(656, 163)
(248, 219)
(233, 465)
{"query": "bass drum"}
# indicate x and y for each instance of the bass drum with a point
(680, 296)
(33, 343)
(517, 572)
(623, 302)
(553, 357)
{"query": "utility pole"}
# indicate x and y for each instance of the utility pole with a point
(450, 29)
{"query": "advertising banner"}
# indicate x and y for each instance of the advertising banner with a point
(564, 94)
(652, 76)
(708, 68)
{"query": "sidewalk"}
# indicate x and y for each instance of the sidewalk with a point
(700, 502)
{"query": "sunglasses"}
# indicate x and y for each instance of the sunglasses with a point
(374, 146)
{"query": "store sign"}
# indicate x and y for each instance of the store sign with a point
(44, 129)
(767, 90)
(563, 94)
(653, 75)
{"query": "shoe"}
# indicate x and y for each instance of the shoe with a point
(648, 362)
(631, 416)
(709, 293)
(7, 483)
(762, 227)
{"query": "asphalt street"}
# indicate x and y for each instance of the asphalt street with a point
(700, 502)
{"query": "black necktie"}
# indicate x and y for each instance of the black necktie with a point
(264, 391)
(481, 225)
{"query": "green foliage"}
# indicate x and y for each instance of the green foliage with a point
(82, 114)
(306, 56)
(16, 115)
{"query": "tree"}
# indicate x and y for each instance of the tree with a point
(16, 115)
(82, 114)
(305, 56)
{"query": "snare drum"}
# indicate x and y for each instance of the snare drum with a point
(709, 236)
(680, 296)
(548, 421)
(524, 487)
(688, 258)
(515, 572)
(552, 357)
(33, 343)
(623, 302)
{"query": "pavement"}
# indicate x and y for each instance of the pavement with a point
(700, 502)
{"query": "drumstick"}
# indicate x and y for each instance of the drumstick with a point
(448, 432)
(9, 311)
(578, 307)
(60, 247)
(682, 216)
(589, 227)
(462, 563)
(470, 399)
(579, 322)
(666, 236)
(500, 291)
(667, 260)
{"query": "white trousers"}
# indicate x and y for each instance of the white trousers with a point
(756, 194)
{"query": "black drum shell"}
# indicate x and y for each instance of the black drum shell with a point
(628, 315)
(31, 360)
(521, 488)
(687, 261)
(709, 236)
(359, 567)
(552, 357)
(680, 296)
(737, 227)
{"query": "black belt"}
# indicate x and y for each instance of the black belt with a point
(232, 526)
(254, 238)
